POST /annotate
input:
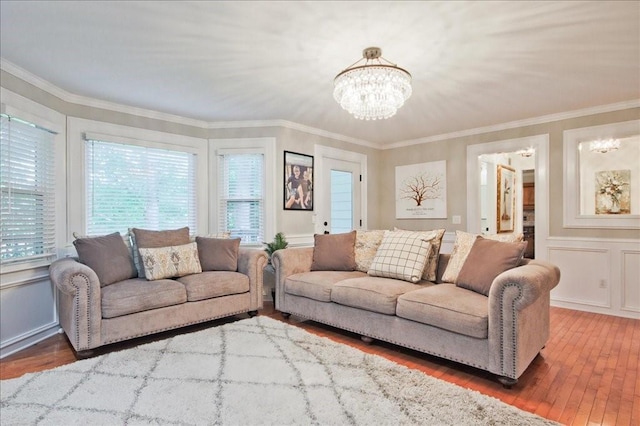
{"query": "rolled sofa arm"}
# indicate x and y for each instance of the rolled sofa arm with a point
(79, 300)
(251, 262)
(287, 262)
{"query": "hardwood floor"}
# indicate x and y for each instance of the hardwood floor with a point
(587, 374)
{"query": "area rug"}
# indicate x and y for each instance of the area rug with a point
(250, 372)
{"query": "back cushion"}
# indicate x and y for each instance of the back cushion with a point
(145, 238)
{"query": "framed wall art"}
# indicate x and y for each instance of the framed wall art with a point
(298, 181)
(421, 191)
(506, 202)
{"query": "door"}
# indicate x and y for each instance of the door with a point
(340, 207)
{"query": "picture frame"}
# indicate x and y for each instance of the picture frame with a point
(298, 181)
(506, 200)
(421, 191)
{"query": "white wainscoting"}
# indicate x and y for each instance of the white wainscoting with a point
(597, 275)
(28, 311)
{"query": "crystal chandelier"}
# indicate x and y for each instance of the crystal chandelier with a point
(373, 90)
(604, 145)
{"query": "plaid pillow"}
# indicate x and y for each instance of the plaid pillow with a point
(402, 255)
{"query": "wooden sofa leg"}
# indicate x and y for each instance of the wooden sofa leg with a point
(368, 340)
(507, 382)
(84, 354)
(285, 315)
(252, 313)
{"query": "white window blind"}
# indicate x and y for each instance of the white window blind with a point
(27, 186)
(241, 199)
(136, 186)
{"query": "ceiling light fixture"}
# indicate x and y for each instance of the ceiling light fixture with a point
(604, 145)
(374, 90)
(527, 152)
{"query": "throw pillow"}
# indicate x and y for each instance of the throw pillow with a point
(153, 239)
(367, 243)
(402, 255)
(334, 252)
(462, 247)
(435, 237)
(486, 260)
(218, 254)
(108, 256)
(169, 262)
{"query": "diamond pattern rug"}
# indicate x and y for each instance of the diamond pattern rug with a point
(253, 371)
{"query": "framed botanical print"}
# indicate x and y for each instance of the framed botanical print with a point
(298, 181)
(506, 203)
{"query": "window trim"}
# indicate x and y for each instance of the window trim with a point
(266, 146)
(79, 128)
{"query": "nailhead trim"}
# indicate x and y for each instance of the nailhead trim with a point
(77, 309)
(514, 328)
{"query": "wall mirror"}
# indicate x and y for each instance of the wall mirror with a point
(602, 178)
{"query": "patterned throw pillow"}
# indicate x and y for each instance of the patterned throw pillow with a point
(435, 237)
(461, 248)
(146, 238)
(169, 262)
(402, 255)
(367, 243)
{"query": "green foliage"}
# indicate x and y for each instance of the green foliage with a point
(279, 242)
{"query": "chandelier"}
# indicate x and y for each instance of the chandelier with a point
(373, 90)
(604, 145)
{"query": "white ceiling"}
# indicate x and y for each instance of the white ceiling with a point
(474, 64)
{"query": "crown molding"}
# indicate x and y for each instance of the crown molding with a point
(519, 123)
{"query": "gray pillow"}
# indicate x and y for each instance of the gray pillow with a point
(486, 260)
(334, 252)
(108, 256)
(218, 254)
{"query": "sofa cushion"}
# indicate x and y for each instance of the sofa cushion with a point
(317, 285)
(334, 252)
(374, 294)
(138, 294)
(461, 248)
(367, 243)
(486, 260)
(218, 254)
(108, 256)
(169, 262)
(435, 238)
(449, 307)
(212, 284)
(153, 239)
(402, 255)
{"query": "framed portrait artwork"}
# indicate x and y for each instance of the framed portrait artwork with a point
(298, 181)
(506, 206)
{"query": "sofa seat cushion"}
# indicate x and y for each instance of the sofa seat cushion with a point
(376, 294)
(317, 285)
(449, 307)
(210, 284)
(138, 294)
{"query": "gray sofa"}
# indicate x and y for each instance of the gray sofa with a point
(93, 315)
(500, 333)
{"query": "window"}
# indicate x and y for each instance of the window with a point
(241, 194)
(137, 186)
(27, 186)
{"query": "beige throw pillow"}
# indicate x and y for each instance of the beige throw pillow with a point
(435, 237)
(169, 262)
(402, 255)
(334, 252)
(146, 238)
(367, 243)
(461, 248)
(486, 260)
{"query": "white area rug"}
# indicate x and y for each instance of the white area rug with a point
(254, 371)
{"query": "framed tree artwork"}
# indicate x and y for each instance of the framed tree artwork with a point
(506, 202)
(421, 191)
(298, 181)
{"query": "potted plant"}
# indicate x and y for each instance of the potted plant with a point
(279, 242)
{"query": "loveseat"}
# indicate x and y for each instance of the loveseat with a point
(115, 291)
(501, 331)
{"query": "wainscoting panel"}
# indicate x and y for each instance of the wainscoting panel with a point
(597, 275)
(28, 312)
(631, 280)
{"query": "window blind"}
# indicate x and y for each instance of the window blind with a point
(241, 199)
(136, 186)
(27, 187)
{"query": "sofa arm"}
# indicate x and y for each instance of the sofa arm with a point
(79, 301)
(287, 262)
(519, 302)
(251, 262)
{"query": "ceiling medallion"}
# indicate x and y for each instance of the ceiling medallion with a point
(373, 90)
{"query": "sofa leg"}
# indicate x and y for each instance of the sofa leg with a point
(507, 382)
(368, 340)
(252, 313)
(285, 315)
(84, 354)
